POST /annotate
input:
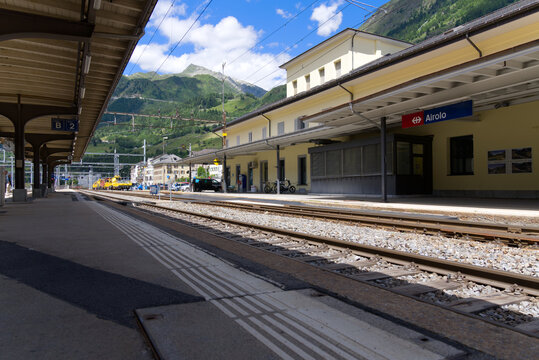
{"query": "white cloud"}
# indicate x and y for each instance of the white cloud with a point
(284, 14)
(162, 7)
(209, 45)
(328, 22)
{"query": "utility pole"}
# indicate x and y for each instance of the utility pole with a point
(164, 138)
(223, 105)
(90, 182)
(144, 147)
(223, 174)
(116, 163)
(132, 123)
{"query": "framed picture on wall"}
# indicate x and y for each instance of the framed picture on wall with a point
(497, 161)
(521, 160)
(521, 167)
(497, 168)
(521, 154)
(510, 161)
(496, 155)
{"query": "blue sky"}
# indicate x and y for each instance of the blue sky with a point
(249, 35)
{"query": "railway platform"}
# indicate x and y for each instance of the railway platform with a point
(89, 279)
(527, 208)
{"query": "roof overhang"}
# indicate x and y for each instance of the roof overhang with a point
(503, 79)
(507, 78)
(67, 56)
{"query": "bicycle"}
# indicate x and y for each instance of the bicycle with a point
(284, 186)
(270, 187)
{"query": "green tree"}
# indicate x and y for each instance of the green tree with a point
(201, 172)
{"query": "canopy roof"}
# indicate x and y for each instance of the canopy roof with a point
(68, 56)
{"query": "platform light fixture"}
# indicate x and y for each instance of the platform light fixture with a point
(87, 62)
(82, 92)
(80, 110)
(97, 4)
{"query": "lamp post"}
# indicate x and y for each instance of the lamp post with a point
(164, 138)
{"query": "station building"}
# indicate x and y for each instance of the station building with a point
(458, 114)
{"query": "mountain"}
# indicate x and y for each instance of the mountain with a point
(242, 86)
(195, 71)
(194, 93)
(417, 20)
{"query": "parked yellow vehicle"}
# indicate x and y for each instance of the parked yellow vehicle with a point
(108, 184)
(117, 183)
(98, 185)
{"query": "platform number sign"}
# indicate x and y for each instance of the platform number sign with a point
(71, 125)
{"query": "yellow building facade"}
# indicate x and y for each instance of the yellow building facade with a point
(327, 132)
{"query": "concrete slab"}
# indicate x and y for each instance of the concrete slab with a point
(286, 324)
(199, 331)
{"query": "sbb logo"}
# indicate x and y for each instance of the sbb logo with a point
(411, 120)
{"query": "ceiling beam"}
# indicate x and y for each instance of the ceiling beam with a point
(18, 25)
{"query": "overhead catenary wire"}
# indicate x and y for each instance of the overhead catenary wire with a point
(183, 36)
(275, 31)
(291, 46)
(151, 38)
(317, 58)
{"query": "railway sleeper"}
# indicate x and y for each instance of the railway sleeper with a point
(530, 326)
(352, 265)
(383, 273)
(481, 303)
(426, 287)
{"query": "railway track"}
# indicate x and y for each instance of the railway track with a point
(435, 225)
(408, 274)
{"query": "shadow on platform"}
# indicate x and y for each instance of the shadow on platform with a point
(108, 296)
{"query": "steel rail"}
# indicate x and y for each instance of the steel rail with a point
(509, 234)
(497, 278)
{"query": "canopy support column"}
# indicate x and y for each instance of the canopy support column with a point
(383, 158)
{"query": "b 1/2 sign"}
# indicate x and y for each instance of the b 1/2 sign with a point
(448, 112)
(64, 124)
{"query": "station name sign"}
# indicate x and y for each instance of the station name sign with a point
(64, 124)
(448, 112)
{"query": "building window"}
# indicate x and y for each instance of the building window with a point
(226, 143)
(302, 170)
(322, 75)
(461, 151)
(280, 128)
(299, 124)
(295, 86)
(250, 137)
(237, 140)
(264, 133)
(307, 82)
(281, 170)
(337, 68)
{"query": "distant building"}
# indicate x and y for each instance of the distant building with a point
(137, 173)
(166, 168)
(215, 171)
